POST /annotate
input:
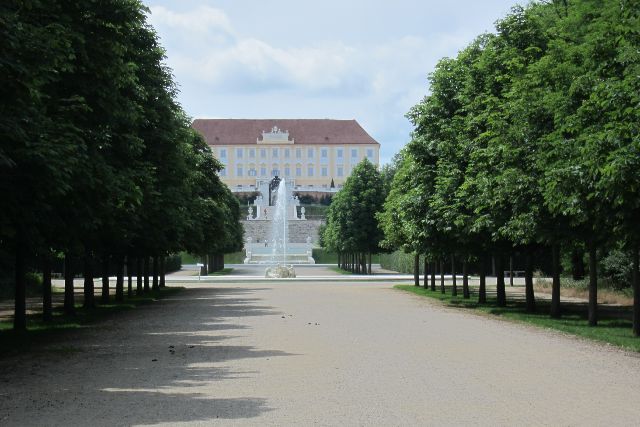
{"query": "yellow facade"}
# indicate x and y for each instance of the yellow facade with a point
(307, 165)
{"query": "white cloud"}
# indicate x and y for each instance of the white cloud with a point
(225, 73)
(200, 21)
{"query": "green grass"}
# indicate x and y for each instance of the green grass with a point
(339, 270)
(613, 328)
(222, 272)
(39, 332)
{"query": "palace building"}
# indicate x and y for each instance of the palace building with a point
(311, 154)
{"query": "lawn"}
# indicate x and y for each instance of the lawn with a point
(613, 328)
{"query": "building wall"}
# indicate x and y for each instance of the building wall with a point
(263, 158)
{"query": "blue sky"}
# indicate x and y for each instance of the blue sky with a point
(349, 59)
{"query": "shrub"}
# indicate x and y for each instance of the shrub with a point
(616, 266)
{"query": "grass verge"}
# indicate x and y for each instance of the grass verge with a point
(339, 270)
(613, 327)
(222, 272)
(39, 332)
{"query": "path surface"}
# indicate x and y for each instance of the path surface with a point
(316, 354)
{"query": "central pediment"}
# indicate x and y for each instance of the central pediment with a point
(275, 136)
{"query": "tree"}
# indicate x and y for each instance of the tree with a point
(352, 227)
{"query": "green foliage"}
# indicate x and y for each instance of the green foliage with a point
(617, 267)
(528, 139)
(97, 157)
(401, 262)
(351, 223)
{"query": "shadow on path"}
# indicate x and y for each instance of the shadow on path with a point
(155, 364)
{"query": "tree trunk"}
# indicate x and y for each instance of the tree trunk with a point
(636, 292)
(20, 302)
(465, 280)
(510, 270)
(501, 292)
(145, 273)
(120, 279)
(105, 280)
(155, 273)
(416, 269)
(339, 259)
(442, 276)
(162, 272)
(482, 289)
(528, 283)
(593, 284)
(454, 285)
(577, 264)
(89, 297)
(369, 262)
(555, 285)
(47, 312)
(138, 276)
(433, 276)
(69, 295)
(426, 274)
(129, 277)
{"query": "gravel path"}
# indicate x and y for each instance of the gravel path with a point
(317, 354)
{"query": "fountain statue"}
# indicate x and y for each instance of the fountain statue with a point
(279, 239)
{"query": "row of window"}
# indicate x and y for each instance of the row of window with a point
(324, 171)
(286, 153)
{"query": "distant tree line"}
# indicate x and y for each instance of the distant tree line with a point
(528, 142)
(97, 159)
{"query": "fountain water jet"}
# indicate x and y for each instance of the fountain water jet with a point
(279, 239)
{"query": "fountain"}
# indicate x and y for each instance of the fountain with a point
(279, 241)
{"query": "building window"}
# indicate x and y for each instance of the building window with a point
(223, 172)
(287, 153)
(252, 153)
(339, 153)
(275, 172)
(251, 172)
(274, 153)
(324, 171)
(239, 153)
(223, 153)
(324, 153)
(310, 170)
(310, 153)
(298, 171)
(263, 171)
(263, 153)
(239, 170)
(298, 153)
(340, 171)
(354, 152)
(370, 154)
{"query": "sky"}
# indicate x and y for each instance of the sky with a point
(287, 59)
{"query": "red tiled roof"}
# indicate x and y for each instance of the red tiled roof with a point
(302, 131)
